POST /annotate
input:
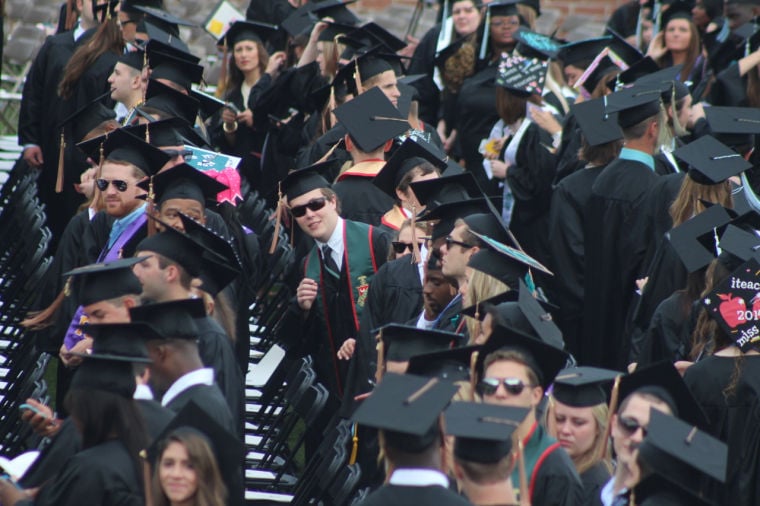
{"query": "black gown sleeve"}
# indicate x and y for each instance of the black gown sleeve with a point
(557, 483)
(30, 113)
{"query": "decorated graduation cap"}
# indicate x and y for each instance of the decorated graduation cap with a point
(88, 117)
(170, 101)
(605, 67)
(120, 342)
(247, 30)
(682, 454)
(310, 178)
(710, 161)
(402, 342)
(582, 53)
(412, 153)
(596, 126)
(174, 319)
(734, 126)
(106, 281)
(521, 76)
(451, 365)
(622, 49)
(536, 45)
(686, 239)
(664, 382)
(678, 10)
(583, 387)
(446, 189)
(544, 359)
(176, 246)
(407, 409)
(529, 317)
(134, 59)
(483, 431)
(121, 146)
(634, 104)
(511, 254)
(183, 182)
(371, 120)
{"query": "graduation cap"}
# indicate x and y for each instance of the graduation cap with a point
(710, 161)
(172, 320)
(122, 146)
(193, 419)
(643, 67)
(335, 31)
(112, 376)
(412, 153)
(450, 365)
(664, 381)
(402, 342)
(247, 30)
(503, 8)
(536, 45)
(88, 117)
(512, 254)
(604, 67)
(176, 246)
(104, 11)
(371, 120)
(170, 101)
(432, 193)
(522, 76)
(596, 126)
(492, 263)
(120, 342)
(678, 10)
(529, 317)
(449, 51)
(157, 13)
(483, 431)
(344, 20)
(183, 182)
(582, 52)
(406, 408)
(376, 34)
(634, 105)
(448, 214)
(300, 20)
(134, 59)
(209, 104)
(106, 281)
(167, 132)
(132, 5)
(407, 94)
(683, 454)
(622, 49)
(488, 224)
(583, 387)
(301, 181)
(179, 71)
(544, 359)
(671, 90)
(685, 238)
(166, 34)
(739, 242)
(734, 126)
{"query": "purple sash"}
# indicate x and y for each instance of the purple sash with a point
(74, 335)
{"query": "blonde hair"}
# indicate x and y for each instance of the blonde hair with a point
(689, 201)
(480, 287)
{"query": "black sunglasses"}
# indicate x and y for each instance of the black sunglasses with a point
(450, 241)
(314, 205)
(489, 386)
(631, 425)
(120, 185)
(400, 247)
(187, 154)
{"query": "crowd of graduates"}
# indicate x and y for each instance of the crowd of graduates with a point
(526, 268)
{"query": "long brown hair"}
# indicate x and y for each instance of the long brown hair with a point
(753, 88)
(106, 39)
(234, 76)
(688, 202)
(511, 107)
(692, 53)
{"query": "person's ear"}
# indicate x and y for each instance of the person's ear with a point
(387, 146)
(349, 143)
(537, 393)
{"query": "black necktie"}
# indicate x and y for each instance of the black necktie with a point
(330, 264)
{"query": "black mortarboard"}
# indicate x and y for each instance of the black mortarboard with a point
(503, 8)
(749, 34)
(183, 182)
(169, 50)
(626, 52)
(307, 179)
(402, 342)
(88, 117)
(596, 126)
(247, 30)
(544, 359)
(682, 454)
(583, 387)
(741, 243)
(536, 45)
(335, 31)
(488, 224)
(406, 408)
(451, 365)
(166, 17)
(106, 281)
(449, 51)
(105, 10)
(664, 381)
(193, 418)
(371, 120)
(376, 34)
(120, 342)
(521, 76)
(710, 161)
(514, 255)
(446, 189)
(209, 104)
(643, 67)
(122, 146)
(174, 319)
(604, 67)
(336, 10)
(169, 132)
(529, 317)
(685, 241)
(483, 431)
(448, 214)
(134, 59)
(113, 376)
(671, 90)
(409, 155)
(170, 101)
(677, 10)
(162, 32)
(582, 52)
(175, 246)
(477, 310)
(132, 5)
(634, 105)
(492, 263)
(407, 94)
(181, 72)
(734, 126)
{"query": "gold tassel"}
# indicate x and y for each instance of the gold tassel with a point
(147, 133)
(277, 218)
(415, 246)
(380, 357)
(61, 152)
(147, 475)
(473, 374)
(611, 411)
(354, 445)
(151, 209)
(223, 71)
(329, 153)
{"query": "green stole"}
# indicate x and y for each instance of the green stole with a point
(536, 447)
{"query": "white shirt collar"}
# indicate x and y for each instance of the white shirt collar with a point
(336, 243)
(143, 393)
(418, 478)
(606, 495)
(203, 376)
(78, 31)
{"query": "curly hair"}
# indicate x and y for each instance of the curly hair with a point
(460, 65)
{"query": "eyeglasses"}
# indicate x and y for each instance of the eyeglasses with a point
(502, 24)
(450, 241)
(489, 386)
(631, 425)
(400, 247)
(314, 205)
(120, 185)
(176, 153)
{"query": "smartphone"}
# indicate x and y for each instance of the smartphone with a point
(232, 107)
(34, 409)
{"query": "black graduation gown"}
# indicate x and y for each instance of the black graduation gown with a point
(567, 153)
(569, 199)
(667, 337)
(102, 475)
(624, 19)
(423, 63)
(593, 480)
(211, 399)
(310, 153)
(556, 482)
(729, 88)
(413, 496)
(450, 320)
(615, 244)
(360, 200)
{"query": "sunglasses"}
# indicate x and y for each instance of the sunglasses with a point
(631, 425)
(489, 386)
(313, 205)
(120, 185)
(450, 241)
(187, 154)
(400, 247)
